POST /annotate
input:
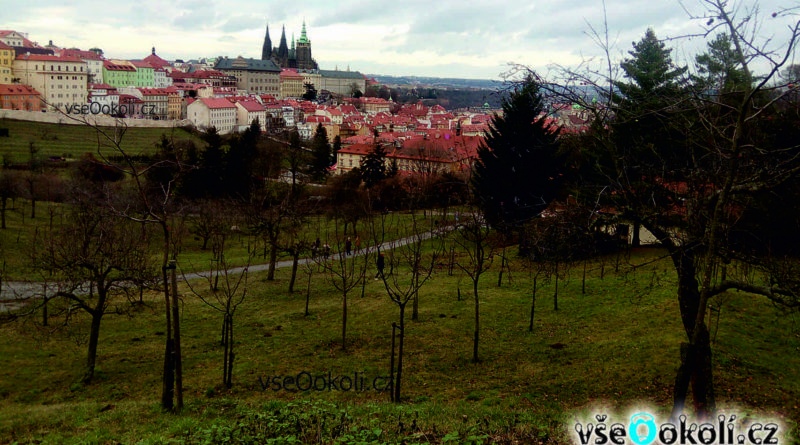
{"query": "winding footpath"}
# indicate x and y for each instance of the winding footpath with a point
(14, 294)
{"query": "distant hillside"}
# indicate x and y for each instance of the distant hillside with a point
(437, 82)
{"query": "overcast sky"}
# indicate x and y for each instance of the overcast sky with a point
(443, 38)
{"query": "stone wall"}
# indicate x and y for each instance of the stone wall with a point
(101, 120)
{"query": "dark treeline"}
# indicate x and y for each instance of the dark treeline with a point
(449, 98)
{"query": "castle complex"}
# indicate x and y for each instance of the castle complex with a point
(298, 56)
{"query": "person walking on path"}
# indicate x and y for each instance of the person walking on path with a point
(358, 243)
(315, 248)
(347, 246)
(381, 263)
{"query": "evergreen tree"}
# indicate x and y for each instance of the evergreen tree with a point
(337, 145)
(239, 161)
(519, 170)
(719, 68)
(393, 170)
(373, 168)
(321, 154)
(205, 177)
(311, 92)
(650, 70)
(648, 113)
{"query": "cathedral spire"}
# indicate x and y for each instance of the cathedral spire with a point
(303, 36)
(283, 48)
(266, 50)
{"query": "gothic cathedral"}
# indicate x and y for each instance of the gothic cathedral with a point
(298, 56)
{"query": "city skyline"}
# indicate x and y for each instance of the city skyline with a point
(474, 40)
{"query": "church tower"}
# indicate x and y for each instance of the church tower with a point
(266, 50)
(303, 51)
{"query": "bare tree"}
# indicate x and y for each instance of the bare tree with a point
(343, 271)
(93, 260)
(405, 283)
(697, 189)
(210, 220)
(473, 237)
(267, 215)
(151, 203)
(9, 189)
(224, 298)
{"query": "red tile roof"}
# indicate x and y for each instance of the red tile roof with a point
(154, 91)
(348, 109)
(141, 64)
(317, 119)
(251, 105)
(217, 103)
(100, 86)
(84, 55)
(4, 46)
(155, 61)
(25, 41)
(291, 74)
(111, 66)
(45, 58)
(358, 148)
(17, 90)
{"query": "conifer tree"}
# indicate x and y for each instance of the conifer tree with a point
(373, 168)
(519, 170)
(321, 154)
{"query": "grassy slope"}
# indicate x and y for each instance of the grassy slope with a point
(620, 345)
(72, 141)
(17, 239)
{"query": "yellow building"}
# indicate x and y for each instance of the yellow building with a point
(6, 63)
(312, 78)
(291, 84)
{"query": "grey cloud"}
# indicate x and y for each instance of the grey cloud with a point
(243, 23)
(194, 19)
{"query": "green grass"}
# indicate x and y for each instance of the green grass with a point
(72, 141)
(615, 346)
(16, 240)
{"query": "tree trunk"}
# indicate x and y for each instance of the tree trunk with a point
(273, 257)
(399, 374)
(176, 326)
(33, 206)
(695, 368)
(295, 260)
(168, 378)
(583, 282)
(477, 321)
(3, 213)
(635, 242)
(502, 266)
(44, 308)
(555, 294)
(533, 305)
(308, 292)
(229, 355)
(415, 307)
(344, 320)
(225, 345)
(696, 359)
(94, 336)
